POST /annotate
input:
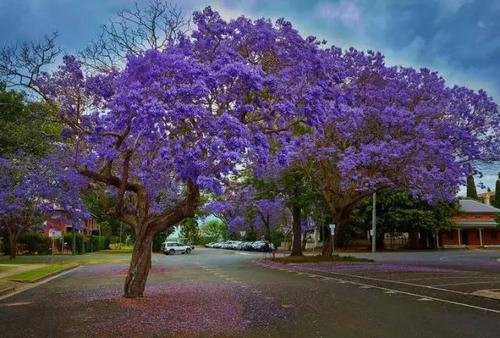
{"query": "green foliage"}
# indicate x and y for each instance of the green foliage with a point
(97, 243)
(397, 211)
(26, 127)
(496, 201)
(32, 243)
(471, 188)
(99, 204)
(297, 185)
(190, 232)
(277, 236)
(78, 241)
(214, 230)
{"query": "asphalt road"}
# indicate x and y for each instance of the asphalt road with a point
(225, 293)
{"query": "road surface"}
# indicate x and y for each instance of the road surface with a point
(226, 293)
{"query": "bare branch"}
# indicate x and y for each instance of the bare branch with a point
(156, 26)
(22, 64)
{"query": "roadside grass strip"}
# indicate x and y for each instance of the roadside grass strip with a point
(35, 275)
(5, 268)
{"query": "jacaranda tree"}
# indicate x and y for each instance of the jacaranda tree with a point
(32, 191)
(170, 124)
(244, 95)
(394, 126)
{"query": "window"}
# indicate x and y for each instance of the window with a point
(494, 234)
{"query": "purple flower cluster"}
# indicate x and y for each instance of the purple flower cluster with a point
(255, 94)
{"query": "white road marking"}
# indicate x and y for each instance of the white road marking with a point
(447, 277)
(18, 303)
(422, 296)
(391, 291)
(469, 283)
(424, 299)
(398, 282)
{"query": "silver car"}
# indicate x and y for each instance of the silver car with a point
(171, 248)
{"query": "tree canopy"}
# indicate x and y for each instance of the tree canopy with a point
(254, 96)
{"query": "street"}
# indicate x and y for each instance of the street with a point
(215, 292)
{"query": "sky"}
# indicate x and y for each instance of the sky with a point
(458, 38)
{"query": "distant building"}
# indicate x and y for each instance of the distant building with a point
(64, 226)
(487, 197)
(475, 227)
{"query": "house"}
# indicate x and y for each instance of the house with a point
(475, 227)
(63, 226)
(487, 197)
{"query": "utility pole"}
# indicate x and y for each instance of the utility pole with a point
(374, 222)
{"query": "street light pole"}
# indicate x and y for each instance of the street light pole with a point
(374, 222)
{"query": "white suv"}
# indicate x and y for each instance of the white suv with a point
(170, 248)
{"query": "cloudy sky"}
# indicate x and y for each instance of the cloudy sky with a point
(459, 38)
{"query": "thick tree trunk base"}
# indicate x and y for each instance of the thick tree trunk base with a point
(327, 250)
(140, 265)
(13, 248)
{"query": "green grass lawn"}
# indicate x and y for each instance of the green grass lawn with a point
(37, 274)
(319, 258)
(98, 257)
(4, 268)
(125, 250)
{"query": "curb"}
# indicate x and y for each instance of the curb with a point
(7, 291)
(28, 286)
(46, 276)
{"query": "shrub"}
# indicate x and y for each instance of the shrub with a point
(34, 243)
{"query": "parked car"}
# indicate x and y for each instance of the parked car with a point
(235, 245)
(171, 248)
(247, 246)
(263, 246)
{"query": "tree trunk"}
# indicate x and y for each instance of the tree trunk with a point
(340, 237)
(267, 231)
(327, 250)
(140, 264)
(13, 236)
(296, 245)
(13, 246)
